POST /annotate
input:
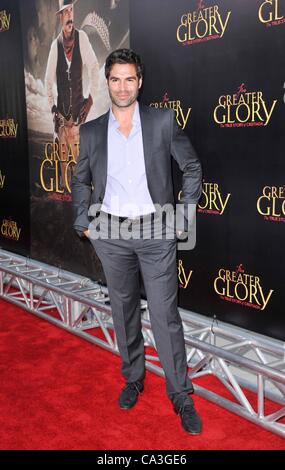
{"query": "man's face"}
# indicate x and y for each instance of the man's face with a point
(123, 85)
(66, 19)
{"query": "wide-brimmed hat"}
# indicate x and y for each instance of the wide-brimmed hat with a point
(64, 4)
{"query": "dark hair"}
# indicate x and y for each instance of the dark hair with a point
(123, 56)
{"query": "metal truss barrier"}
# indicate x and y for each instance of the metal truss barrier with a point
(249, 366)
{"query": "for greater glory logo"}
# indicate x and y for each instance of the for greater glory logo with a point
(244, 108)
(51, 176)
(212, 200)
(242, 288)
(9, 229)
(203, 24)
(182, 113)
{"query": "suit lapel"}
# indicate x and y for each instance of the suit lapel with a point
(102, 146)
(147, 136)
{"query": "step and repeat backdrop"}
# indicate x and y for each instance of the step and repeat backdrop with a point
(220, 64)
(14, 162)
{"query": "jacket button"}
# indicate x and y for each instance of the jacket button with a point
(100, 199)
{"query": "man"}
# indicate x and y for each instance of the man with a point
(69, 53)
(124, 167)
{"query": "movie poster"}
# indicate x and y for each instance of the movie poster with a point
(65, 45)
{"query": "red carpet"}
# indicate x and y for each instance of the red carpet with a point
(60, 392)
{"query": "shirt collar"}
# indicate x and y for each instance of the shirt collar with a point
(136, 118)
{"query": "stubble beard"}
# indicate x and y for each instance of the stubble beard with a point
(123, 103)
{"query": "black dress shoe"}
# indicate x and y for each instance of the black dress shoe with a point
(129, 394)
(190, 420)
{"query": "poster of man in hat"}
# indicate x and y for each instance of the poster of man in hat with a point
(65, 44)
(69, 53)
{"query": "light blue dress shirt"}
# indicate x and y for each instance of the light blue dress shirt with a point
(127, 193)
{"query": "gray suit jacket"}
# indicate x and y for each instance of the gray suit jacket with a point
(162, 138)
